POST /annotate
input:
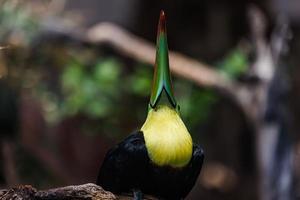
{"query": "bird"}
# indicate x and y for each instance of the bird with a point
(160, 159)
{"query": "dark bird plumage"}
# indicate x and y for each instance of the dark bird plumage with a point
(127, 166)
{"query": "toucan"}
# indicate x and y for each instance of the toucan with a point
(160, 159)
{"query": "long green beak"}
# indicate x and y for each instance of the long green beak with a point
(162, 78)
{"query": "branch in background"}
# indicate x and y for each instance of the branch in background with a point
(273, 155)
(280, 38)
(144, 51)
(87, 191)
(139, 49)
(191, 69)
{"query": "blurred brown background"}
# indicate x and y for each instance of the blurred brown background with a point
(66, 99)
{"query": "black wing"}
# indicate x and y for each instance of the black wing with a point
(124, 166)
(193, 170)
(174, 183)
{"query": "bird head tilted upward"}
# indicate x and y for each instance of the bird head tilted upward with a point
(167, 139)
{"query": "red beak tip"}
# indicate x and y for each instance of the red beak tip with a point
(162, 14)
(162, 21)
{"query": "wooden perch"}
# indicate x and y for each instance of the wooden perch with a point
(88, 191)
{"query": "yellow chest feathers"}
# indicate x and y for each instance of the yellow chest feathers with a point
(167, 140)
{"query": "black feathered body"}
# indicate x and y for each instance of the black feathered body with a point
(127, 166)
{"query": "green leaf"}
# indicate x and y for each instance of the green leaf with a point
(234, 64)
(139, 82)
(107, 72)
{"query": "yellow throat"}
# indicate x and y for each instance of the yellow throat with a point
(167, 139)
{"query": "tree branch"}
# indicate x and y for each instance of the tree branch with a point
(139, 49)
(88, 191)
(142, 50)
(183, 66)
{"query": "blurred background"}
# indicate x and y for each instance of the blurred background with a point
(66, 96)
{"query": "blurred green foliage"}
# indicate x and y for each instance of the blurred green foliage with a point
(139, 82)
(98, 91)
(234, 64)
(16, 23)
(93, 92)
(106, 89)
(196, 107)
